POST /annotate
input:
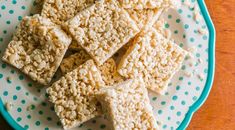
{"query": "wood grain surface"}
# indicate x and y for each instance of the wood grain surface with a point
(218, 112)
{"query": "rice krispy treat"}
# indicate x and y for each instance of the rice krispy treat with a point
(73, 61)
(102, 29)
(60, 11)
(146, 4)
(73, 95)
(144, 18)
(108, 69)
(127, 106)
(37, 48)
(154, 58)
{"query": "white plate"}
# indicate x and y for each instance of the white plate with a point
(172, 110)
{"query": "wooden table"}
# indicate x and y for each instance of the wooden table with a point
(218, 112)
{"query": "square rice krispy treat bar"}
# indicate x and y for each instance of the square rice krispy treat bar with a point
(108, 69)
(146, 4)
(60, 11)
(144, 18)
(102, 29)
(154, 58)
(37, 48)
(73, 95)
(127, 106)
(73, 61)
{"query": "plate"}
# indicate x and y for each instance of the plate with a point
(173, 110)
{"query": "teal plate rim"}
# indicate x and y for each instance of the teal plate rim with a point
(196, 105)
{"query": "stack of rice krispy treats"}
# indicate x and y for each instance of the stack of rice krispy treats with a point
(93, 82)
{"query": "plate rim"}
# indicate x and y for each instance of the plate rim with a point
(195, 106)
(211, 67)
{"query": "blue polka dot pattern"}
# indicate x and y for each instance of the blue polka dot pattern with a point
(33, 111)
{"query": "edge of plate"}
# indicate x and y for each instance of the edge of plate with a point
(211, 68)
(8, 117)
(195, 106)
